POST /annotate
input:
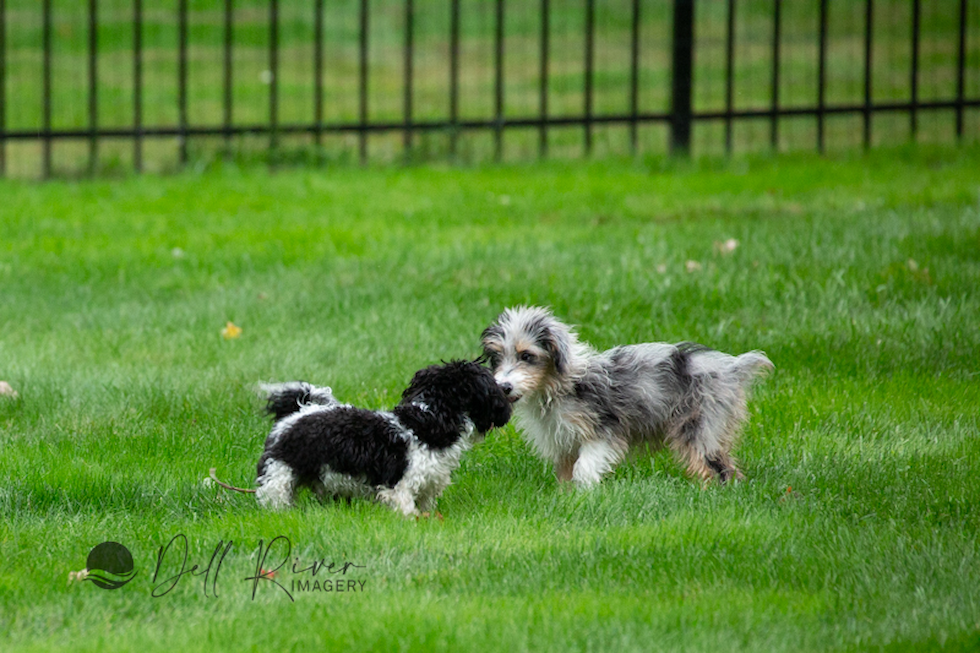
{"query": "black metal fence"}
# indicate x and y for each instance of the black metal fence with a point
(90, 85)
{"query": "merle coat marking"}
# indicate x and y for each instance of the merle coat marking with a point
(584, 410)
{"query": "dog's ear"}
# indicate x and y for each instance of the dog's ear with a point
(491, 340)
(491, 333)
(557, 345)
(419, 381)
(438, 424)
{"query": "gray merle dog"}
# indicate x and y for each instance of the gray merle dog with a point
(584, 410)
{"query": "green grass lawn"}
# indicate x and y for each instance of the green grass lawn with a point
(855, 530)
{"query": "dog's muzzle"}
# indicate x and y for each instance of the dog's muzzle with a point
(508, 389)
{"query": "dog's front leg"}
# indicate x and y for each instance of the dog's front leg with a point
(427, 500)
(398, 498)
(564, 466)
(596, 459)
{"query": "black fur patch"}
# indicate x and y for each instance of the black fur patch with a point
(350, 441)
(678, 369)
(684, 386)
(596, 393)
(723, 472)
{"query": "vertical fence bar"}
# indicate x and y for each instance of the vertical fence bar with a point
(409, 75)
(228, 72)
(318, 75)
(498, 109)
(868, 55)
(589, 71)
(182, 79)
(3, 88)
(634, 77)
(543, 96)
(822, 77)
(138, 85)
(273, 79)
(453, 76)
(681, 115)
(729, 75)
(914, 73)
(93, 88)
(46, 88)
(682, 68)
(362, 109)
(960, 72)
(777, 33)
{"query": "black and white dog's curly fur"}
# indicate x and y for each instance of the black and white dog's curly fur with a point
(584, 410)
(403, 458)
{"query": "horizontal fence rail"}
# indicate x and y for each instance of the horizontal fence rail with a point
(105, 84)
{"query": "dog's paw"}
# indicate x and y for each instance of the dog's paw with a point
(429, 515)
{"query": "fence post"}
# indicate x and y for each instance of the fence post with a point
(182, 79)
(93, 86)
(46, 86)
(138, 85)
(409, 71)
(273, 80)
(3, 86)
(453, 77)
(228, 71)
(362, 84)
(681, 74)
(543, 96)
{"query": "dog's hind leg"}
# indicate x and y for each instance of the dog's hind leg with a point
(276, 485)
(704, 453)
(596, 458)
(723, 467)
(717, 464)
(705, 425)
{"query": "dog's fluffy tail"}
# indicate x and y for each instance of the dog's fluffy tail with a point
(752, 364)
(284, 399)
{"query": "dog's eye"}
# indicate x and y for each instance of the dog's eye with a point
(527, 357)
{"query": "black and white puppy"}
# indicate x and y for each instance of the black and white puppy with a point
(584, 410)
(404, 458)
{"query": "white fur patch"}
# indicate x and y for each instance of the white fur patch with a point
(276, 486)
(428, 474)
(344, 485)
(595, 460)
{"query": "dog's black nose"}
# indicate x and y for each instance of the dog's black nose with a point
(507, 388)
